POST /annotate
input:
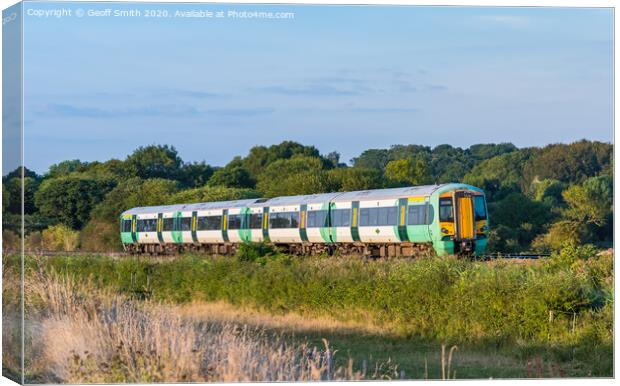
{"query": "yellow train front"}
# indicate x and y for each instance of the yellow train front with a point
(449, 218)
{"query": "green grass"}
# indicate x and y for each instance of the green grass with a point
(560, 310)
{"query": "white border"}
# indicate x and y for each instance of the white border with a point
(486, 3)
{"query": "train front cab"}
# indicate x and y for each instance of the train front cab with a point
(462, 222)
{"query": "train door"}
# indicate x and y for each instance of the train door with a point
(465, 223)
(331, 226)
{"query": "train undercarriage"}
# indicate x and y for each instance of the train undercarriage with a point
(297, 249)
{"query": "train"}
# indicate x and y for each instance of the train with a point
(449, 218)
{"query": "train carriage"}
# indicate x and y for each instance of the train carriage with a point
(450, 218)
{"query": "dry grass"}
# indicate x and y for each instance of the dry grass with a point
(219, 311)
(11, 321)
(86, 335)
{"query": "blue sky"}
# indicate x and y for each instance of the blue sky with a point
(340, 78)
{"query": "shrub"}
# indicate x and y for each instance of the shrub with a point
(100, 236)
(447, 299)
(254, 251)
(60, 238)
(10, 241)
(34, 242)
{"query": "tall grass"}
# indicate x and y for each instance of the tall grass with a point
(563, 305)
(440, 298)
(85, 334)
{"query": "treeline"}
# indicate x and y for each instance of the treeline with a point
(539, 198)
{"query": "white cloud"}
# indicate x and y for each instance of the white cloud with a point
(506, 20)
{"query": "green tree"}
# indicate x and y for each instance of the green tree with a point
(5, 198)
(573, 163)
(549, 191)
(14, 190)
(69, 200)
(210, 194)
(155, 161)
(485, 151)
(517, 220)
(101, 231)
(232, 177)
(132, 193)
(18, 173)
(334, 159)
(591, 203)
(500, 175)
(297, 175)
(65, 167)
(195, 174)
(261, 156)
(409, 171)
(397, 152)
(113, 169)
(588, 216)
(449, 164)
(352, 179)
(372, 159)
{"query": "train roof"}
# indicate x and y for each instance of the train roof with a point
(362, 195)
(191, 207)
(385, 194)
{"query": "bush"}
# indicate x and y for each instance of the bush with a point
(10, 241)
(60, 238)
(100, 236)
(435, 298)
(34, 242)
(254, 251)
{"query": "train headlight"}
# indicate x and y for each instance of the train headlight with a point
(444, 230)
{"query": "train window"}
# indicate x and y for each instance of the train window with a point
(279, 220)
(383, 216)
(284, 220)
(417, 215)
(167, 224)
(311, 219)
(340, 217)
(480, 208)
(445, 210)
(431, 214)
(256, 221)
(316, 219)
(390, 217)
(234, 221)
(149, 225)
(209, 223)
(373, 216)
(126, 226)
(294, 220)
(364, 217)
(276, 221)
(186, 224)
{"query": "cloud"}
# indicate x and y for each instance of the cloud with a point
(389, 110)
(434, 87)
(405, 86)
(67, 110)
(506, 20)
(310, 90)
(187, 94)
(339, 79)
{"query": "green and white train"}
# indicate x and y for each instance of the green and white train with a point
(450, 218)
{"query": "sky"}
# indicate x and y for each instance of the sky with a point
(341, 78)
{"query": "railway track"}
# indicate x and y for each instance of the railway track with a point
(487, 257)
(496, 256)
